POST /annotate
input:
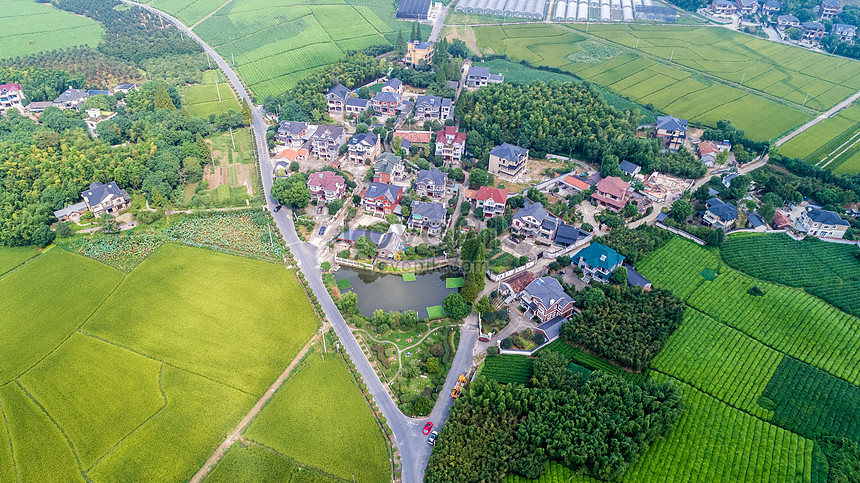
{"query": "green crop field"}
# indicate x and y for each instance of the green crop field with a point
(27, 27)
(320, 419)
(113, 376)
(15, 256)
(508, 369)
(275, 44)
(202, 99)
(833, 143)
(827, 270)
(592, 362)
(249, 464)
(698, 81)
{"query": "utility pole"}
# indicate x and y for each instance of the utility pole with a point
(232, 139)
(637, 44)
(744, 77)
(804, 101)
(672, 56)
(218, 89)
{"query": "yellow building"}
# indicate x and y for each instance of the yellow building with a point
(417, 51)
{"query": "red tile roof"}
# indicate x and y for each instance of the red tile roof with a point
(292, 154)
(520, 281)
(780, 221)
(706, 147)
(499, 196)
(577, 182)
(10, 87)
(414, 136)
(459, 137)
(613, 185)
(327, 180)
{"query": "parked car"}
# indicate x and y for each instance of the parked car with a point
(428, 427)
(432, 439)
(319, 209)
(277, 208)
(322, 229)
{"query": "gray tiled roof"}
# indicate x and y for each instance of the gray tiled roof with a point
(509, 152)
(635, 278)
(376, 189)
(355, 101)
(365, 138)
(292, 127)
(394, 83)
(99, 191)
(824, 216)
(339, 91)
(75, 208)
(569, 234)
(628, 167)
(433, 211)
(71, 95)
(433, 176)
(535, 210)
(549, 291)
(385, 96)
(671, 123)
(755, 220)
(724, 211)
(479, 71)
(353, 235)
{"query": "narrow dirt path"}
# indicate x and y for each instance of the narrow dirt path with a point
(210, 15)
(235, 435)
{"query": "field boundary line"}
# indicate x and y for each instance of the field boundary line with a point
(60, 428)
(297, 463)
(252, 414)
(9, 436)
(175, 366)
(146, 420)
(16, 267)
(232, 41)
(839, 154)
(207, 17)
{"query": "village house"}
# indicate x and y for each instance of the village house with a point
(786, 21)
(723, 7)
(336, 97)
(450, 144)
(822, 223)
(72, 213)
(385, 103)
(635, 279)
(325, 142)
(781, 221)
(491, 200)
(390, 244)
(326, 186)
(708, 153)
(843, 32)
(508, 160)
(434, 184)
(351, 236)
(597, 261)
(428, 217)
(568, 235)
(292, 133)
(104, 198)
(629, 168)
(812, 31)
(534, 221)
(124, 87)
(829, 9)
(292, 154)
(612, 192)
(515, 285)
(380, 199)
(546, 299)
(388, 168)
(771, 7)
(480, 76)
(747, 7)
(756, 223)
(719, 214)
(71, 99)
(573, 184)
(394, 86)
(363, 148)
(356, 106)
(432, 108)
(418, 53)
(672, 131)
(11, 96)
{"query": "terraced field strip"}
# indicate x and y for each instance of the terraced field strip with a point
(28, 27)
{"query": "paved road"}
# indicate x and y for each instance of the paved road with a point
(438, 24)
(831, 112)
(414, 451)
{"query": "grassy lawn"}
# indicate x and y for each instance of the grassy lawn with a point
(182, 299)
(11, 257)
(320, 419)
(27, 27)
(435, 312)
(46, 301)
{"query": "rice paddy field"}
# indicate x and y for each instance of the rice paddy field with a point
(833, 143)
(689, 72)
(27, 27)
(212, 96)
(274, 44)
(136, 375)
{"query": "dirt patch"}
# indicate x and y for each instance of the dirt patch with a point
(466, 34)
(232, 175)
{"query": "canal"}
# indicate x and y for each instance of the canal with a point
(390, 292)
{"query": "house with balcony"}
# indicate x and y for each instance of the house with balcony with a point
(433, 184)
(429, 108)
(829, 9)
(822, 223)
(104, 198)
(787, 21)
(292, 133)
(719, 214)
(450, 144)
(612, 192)
(597, 261)
(546, 299)
(844, 32)
(325, 142)
(812, 31)
(534, 221)
(747, 7)
(386, 103)
(428, 217)
(723, 7)
(771, 7)
(481, 76)
(71, 99)
(671, 131)
(326, 186)
(336, 98)
(380, 199)
(508, 160)
(418, 53)
(11, 96)
(491, 200)
(394, 86)
(363, 148)
(568, 235)
(356, 106)
(389, 168)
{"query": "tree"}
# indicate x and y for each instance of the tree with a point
(294, 166)
(108, 223)
(162, 98)
(64, 230)
(794, 33)
(414, 35)
(716, 238)
(593, 298)
(507, 343)
(586, 227)
(432, 365)
(479, 177)
(619, 276)
(43, 236)
(455, 306)
(408, 319)
(334, 206)
(247, 115)
(325, 266)
(483, 305)
(722, 157)
(681, 210)
(365, 247)
(291, 191)
(400, 44)
(364, 92)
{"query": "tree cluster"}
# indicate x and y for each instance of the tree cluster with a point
(726, 131)
(564, 118)
(599, 425)
(474, 262)
(624, 324)
(95, 67)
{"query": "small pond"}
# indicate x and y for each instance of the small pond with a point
(389, 292)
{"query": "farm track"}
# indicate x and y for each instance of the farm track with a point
(207, 17)
(834, 155)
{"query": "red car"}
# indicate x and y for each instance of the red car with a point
(427, 428)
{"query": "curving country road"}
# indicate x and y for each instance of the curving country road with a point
(414, 451)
